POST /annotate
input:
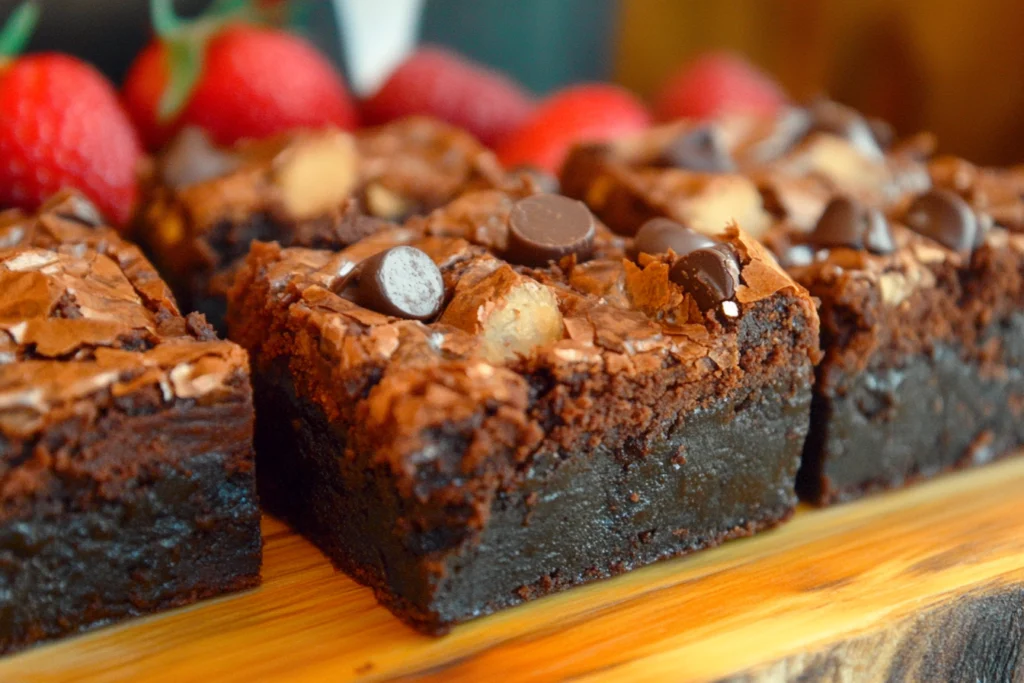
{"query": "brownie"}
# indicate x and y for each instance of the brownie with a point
(494, 403)
(127, 479)
(920, 292)
(203, 206)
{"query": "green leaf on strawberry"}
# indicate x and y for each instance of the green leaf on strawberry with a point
(18, 29)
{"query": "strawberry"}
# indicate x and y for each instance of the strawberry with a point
(718, 83)
(235, 80)
(61, 126)
(582, 113)
(441, 84)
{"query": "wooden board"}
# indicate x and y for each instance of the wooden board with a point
(921, 584)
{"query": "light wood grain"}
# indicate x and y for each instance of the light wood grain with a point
(864, 581)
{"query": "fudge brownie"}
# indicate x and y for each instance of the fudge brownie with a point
(203, 206)
(127, 479)
(494, 403)
(918, 297)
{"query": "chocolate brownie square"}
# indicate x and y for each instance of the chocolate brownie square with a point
(204, 206)
(126, 464)
(495, 403)
(919, 295)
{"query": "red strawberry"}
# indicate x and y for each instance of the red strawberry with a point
(61, 126)
(718, 83)
(441, 84)
(248, 82)
(589, 112)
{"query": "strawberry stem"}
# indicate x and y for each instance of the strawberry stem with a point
(186, 43)
(18, 29)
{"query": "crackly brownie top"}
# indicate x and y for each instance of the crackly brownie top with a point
(753, 169)
(444, 345)
(392, 171)
(84, 320)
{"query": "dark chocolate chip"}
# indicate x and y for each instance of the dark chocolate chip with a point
(700, 149)
(546, 227)
(193, 158)
(848, 223)
(544, 181)
(403, 282)
(837, 119)
(946, 218)
(658, 235)
(709, 275)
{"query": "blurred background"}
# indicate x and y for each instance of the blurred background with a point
(949, 66)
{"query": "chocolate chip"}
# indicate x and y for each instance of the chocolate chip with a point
(403, 282)
(192, 158)
(658, 235)
(846, 222)
(709, 275)
(700, 149)
(837, 119)
(544, 181)
(946, 218)
(546, 227)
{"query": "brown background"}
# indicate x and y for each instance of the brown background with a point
(955, 67)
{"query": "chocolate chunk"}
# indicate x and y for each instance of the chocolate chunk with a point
(946, 218)
(709, 275)
(546, 227)
(658, 235)
(832, 117)
(403, 282)
(193, 158)
(849, 223)
(544, 181)
(700, 149)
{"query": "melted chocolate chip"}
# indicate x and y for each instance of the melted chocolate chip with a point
(192, 158)
(837, 119)
(709, 275)
(403, 282)
(658, 235)
(700, 149)
(848, 223)
(546, 227)
(544, 181)
(946, 218)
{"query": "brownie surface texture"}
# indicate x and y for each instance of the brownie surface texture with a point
(921, 370)
(457, 475)
(127, 480)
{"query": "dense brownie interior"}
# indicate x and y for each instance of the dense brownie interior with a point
(126, 465)
(446, 474)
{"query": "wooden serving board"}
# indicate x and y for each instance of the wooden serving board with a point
(921, 584)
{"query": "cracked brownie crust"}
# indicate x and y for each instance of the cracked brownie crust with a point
(456, 473)
(126, 465)
(204, 206)
(920, 327)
